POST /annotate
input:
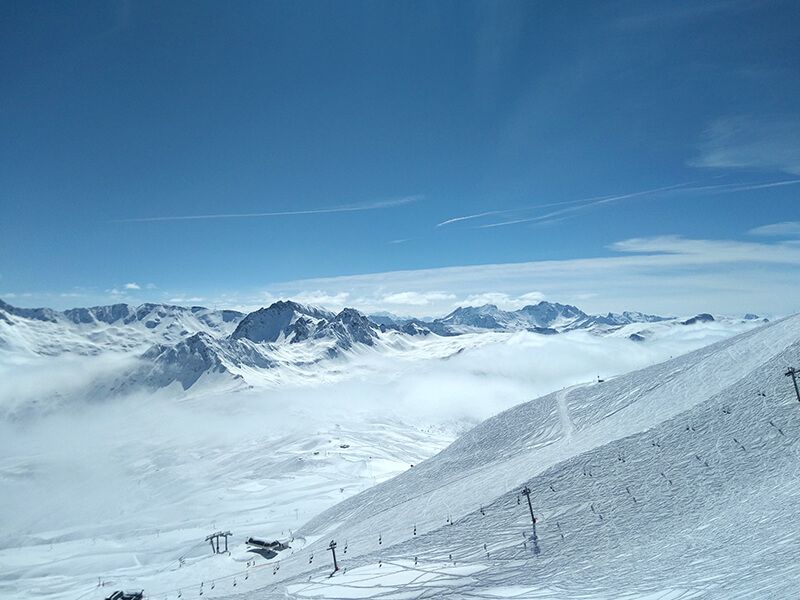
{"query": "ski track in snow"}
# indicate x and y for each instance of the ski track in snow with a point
(567, 425)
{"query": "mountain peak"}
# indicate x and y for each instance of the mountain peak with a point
(701, 318)
(349, 327)
(275, 321)
(38, 314)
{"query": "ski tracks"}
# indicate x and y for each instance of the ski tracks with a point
(567, 426)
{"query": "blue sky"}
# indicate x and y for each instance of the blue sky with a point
(615, 155)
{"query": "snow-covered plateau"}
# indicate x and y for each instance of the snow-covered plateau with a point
(660, 454)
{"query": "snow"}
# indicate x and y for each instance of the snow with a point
(119, 328)
(399, 579)
(543, 315)
(721, 529)
(130, 515)
(179, 347)
(123, 488)
(275, 323)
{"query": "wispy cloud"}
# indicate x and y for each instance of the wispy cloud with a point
(507, 211)
(504, 223)
(665, 274)
(752, 142)
(742, 187)
(670, 14)
(682, 251)
(417, 298)
(475, 216)
(132, 286)
(575, 207)
(785, 228)
(331, 301)
(378, 205)
(503, 300)
(585, 204)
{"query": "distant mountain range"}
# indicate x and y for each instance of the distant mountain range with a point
(179, 345)
(544, 317)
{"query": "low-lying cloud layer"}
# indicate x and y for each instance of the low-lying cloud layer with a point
(89, 463)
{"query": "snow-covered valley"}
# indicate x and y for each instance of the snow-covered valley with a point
(111, 486)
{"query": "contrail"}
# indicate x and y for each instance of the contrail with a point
(524, 208)
(311, 211)
(588, 202)
(476, 216)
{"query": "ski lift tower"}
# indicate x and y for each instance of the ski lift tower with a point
(214, 538)
(792, 372)
(527, 493)
(332, 548)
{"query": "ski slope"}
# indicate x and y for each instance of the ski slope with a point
(680, 480)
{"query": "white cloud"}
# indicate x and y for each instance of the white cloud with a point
(497, 298)
(501, 300)
(785, 228)
(683, 252)
(132, 286)
(529, 298)
(667, 274)
(331, 301)
(320, 298)
(769, 142)
(416, 298)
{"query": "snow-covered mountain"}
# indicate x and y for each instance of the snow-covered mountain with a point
(543, 317)
(286, 333)
(113, 328)
(197, 356)
(155, 473)
(292, 322)
(281, 321)
(349, 327)
(678, 480)
(184, 346)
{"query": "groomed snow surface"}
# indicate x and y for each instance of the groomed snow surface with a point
(676, 481)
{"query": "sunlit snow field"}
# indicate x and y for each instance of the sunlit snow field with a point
(119, 493)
